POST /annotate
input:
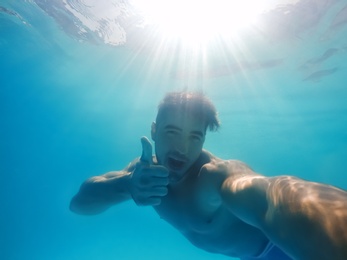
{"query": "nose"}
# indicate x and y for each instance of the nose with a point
(182, 147)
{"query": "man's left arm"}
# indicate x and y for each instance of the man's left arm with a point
(307, 220)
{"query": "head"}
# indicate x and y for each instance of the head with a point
(179, 130)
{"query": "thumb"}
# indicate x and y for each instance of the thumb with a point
(146, 156)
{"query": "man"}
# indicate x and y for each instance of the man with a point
(221, 206)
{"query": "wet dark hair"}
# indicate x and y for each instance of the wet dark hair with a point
(191, 103)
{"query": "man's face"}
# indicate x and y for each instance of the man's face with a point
(178, 140)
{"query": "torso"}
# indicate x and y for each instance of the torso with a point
(199, 214)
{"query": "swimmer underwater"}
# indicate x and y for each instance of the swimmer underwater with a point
(221, 206)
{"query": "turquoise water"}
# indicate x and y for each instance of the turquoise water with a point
(73, 108)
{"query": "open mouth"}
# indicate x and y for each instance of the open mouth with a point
(176, 164)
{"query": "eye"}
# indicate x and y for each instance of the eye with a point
(171, 133)
(195, 138)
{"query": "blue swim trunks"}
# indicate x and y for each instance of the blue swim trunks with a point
(271, 252)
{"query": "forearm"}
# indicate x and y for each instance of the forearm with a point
(303, 215)
(99, 193)
(296, 215)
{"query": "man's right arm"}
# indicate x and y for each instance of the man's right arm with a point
(98, 193)
(143, 181)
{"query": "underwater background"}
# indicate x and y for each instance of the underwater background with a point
(79, 86)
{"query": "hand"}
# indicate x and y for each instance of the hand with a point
(148, 182)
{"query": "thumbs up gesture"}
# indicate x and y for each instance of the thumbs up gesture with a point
(146, 156)
(148, 181)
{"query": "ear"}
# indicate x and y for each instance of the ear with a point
(153, 131)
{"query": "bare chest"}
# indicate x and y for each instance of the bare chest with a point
(188, 213)
(203, 219)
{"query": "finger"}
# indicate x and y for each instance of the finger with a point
(156, 171)
(146, 151)
(160, 181)
(154, 201)
(148, 171)
(160, 191)
(157, 191)
(150, 201)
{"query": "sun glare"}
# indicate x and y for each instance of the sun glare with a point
(198, 21)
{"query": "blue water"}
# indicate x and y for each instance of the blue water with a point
(71, 109)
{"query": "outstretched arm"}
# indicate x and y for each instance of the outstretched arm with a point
(142, 181)
(101, 192)
(307, 220)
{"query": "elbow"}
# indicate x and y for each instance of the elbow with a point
(82, 203)
(80, 207)
(75, 207)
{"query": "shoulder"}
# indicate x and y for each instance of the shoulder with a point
(225, 173)
(226, 168)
